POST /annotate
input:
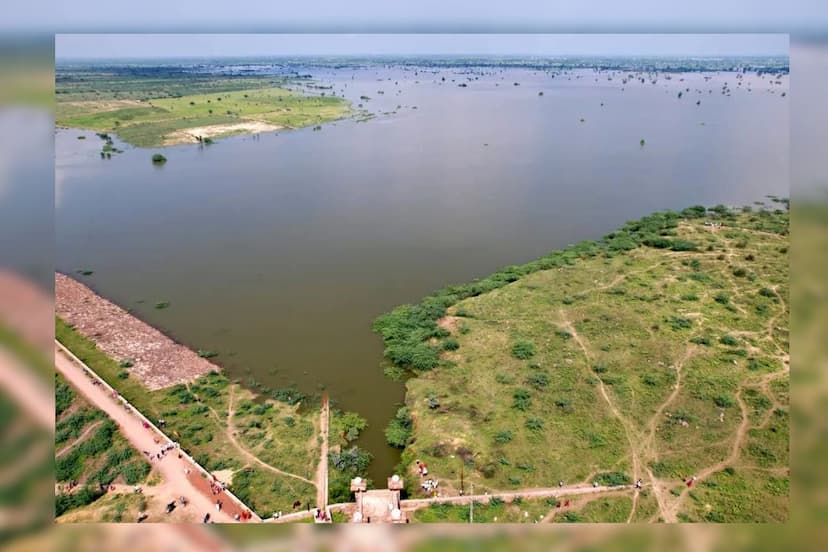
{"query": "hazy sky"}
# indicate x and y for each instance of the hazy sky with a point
(69, 46)
(355, 16)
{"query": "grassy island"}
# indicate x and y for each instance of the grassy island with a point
(159, 106)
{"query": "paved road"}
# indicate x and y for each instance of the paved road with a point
(171, 468)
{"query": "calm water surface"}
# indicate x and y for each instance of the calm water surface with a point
(279, 251)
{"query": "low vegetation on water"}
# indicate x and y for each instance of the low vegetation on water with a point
(635, 349)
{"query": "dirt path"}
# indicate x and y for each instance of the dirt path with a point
(735, 452)
(80, 438)
(566, 491)
(640, 449)
(629, 431)
(170, 467)
(231, 435)
(322, 470)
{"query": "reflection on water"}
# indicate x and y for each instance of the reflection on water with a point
(278, 252)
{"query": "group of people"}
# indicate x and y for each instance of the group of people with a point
(243, 516)
(430, 486)
(216, 486)
(162, 451)
(321, 516)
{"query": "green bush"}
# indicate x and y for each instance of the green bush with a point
(696, 211)
(344, 465)
(63, 395)
(502, 437)
(650, 379)
(563, 334)
(522, 399)
(523, 350)
(158, 159)
(723, 401)
(135, 472)
(534, 424)
(572, 517)
(451, 345)
(729, 340)
(683, 245)
(398, 432)
(612, 479)
(538, 380)
(69, 501)
(680, 323)
(722, 298)
(352, 425)
(563, 403)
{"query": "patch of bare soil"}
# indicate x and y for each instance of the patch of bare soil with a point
(158, 361)
(449, 323)
(190, 135)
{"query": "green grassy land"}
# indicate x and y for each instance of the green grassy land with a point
(197, 416)
(610, 509)
(91, 451)
(634, 352)
(158, 109)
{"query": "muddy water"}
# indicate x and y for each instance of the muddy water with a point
(278, 251)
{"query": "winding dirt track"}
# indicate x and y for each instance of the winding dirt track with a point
(231, 434)
(92, 427)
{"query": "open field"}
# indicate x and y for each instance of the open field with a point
(170, 107)
(657, 353)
